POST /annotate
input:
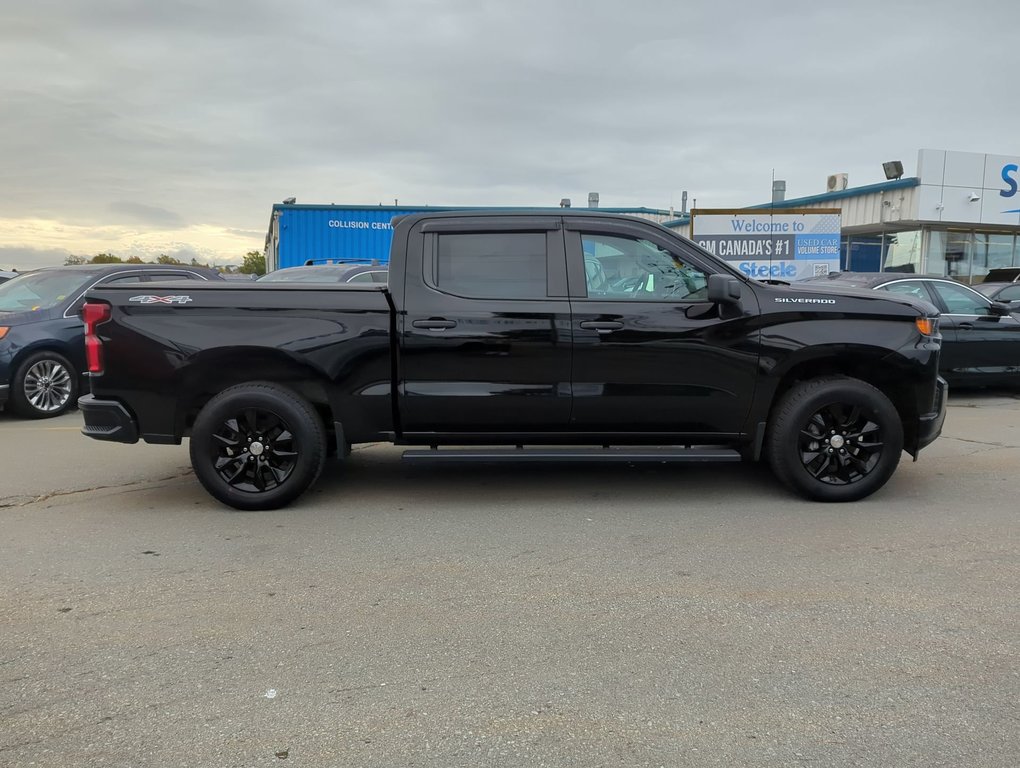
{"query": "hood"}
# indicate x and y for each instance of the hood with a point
(24, 318)
(822, 290)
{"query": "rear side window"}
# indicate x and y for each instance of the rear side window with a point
(157, 276)
(492, 265)
(909, 287)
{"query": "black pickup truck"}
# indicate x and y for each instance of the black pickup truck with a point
(519, 336)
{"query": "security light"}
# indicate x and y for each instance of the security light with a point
(893, 169)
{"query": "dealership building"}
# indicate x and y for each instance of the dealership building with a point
(958, 217)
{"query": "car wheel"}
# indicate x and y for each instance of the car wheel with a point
(45, 385)
(257, 446)
(834, 439)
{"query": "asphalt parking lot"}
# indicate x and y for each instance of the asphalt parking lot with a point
(549, 616)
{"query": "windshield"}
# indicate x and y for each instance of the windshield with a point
(40, 290)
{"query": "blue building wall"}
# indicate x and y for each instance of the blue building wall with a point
(322, 235)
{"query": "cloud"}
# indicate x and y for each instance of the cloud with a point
(24, 258)
(185, 117)
(146, 214)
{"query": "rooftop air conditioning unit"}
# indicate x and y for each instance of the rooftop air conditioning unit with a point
(836, 182)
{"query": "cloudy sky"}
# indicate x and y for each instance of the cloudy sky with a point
(138, 127)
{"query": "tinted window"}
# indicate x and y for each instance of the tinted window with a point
(629, 269)
(960, 300)
(174, 276)
(1010, 294)
(122, 279)
(364, 277)
(909, 287)
(380, 277)
(492, 266)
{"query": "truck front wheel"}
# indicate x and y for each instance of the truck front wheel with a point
(834, 439)
(257, 446)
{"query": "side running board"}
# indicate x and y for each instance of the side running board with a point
(499, 455)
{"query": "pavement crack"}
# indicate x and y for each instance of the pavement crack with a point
(24, 501)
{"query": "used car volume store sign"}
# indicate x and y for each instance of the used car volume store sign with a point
(789, 244)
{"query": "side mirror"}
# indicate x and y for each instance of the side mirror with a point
(999, 308)
(723, 289)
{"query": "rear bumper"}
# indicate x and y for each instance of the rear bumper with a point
(930, 424)
(107, 420)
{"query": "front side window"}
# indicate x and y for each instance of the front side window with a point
(498, 265)
(631, 269)
(960, 300)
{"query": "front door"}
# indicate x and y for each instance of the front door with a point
(651, 354)
(485, 336)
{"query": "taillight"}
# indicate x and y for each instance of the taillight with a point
(94, 314)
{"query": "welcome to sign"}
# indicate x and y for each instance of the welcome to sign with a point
(781, 244)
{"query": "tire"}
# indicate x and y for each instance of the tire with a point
(834, 439)
(257, 446)
(45, 385)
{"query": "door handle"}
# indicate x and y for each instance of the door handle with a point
(434, 324)
(602, 326)
(965, 325)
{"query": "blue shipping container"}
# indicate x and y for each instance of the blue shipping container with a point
(337, 234)
(327, 234)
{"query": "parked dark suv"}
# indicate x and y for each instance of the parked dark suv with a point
(42, 348)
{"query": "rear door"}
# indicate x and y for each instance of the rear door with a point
(485, 335)
(651, 354)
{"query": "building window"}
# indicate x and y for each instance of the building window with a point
(991, 252)
(969, 256)
(863, 253)
(902, 252)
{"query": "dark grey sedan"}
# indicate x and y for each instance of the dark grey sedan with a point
(1007, 293)
(980, 337)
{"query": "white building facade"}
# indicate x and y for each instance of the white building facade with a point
(959, 217)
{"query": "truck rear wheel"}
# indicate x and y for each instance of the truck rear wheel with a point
(257, 446)
(834, 439)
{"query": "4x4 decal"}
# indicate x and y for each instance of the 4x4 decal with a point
(161, 299)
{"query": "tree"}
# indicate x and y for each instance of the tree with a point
(105, 258)
(71, 261)
(254, 263)
(133, 260)
(164, 259)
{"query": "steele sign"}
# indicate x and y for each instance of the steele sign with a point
(782, 244)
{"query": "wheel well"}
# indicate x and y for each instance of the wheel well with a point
(887, 379)
(204, 381)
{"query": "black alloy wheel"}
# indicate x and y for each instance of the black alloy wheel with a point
(257, 451)
(257, 446)
(834, 439)
(840, 445)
